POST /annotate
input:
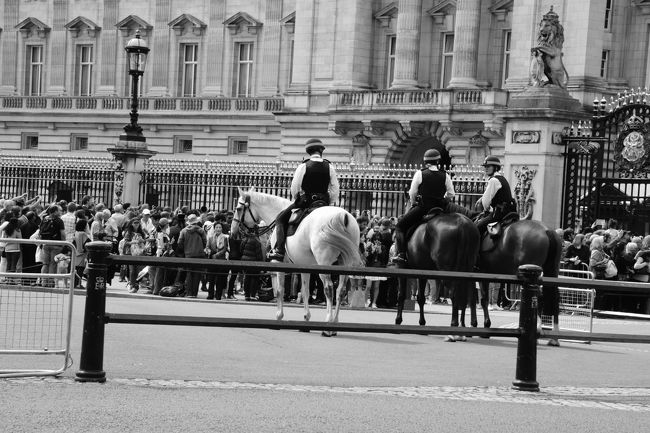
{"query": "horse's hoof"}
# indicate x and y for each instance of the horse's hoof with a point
(398, 321)
(487, 324)
(423, 322)
(279, 316)
(553, 342)
(450, 339)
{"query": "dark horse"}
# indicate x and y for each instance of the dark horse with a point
(447, 242)
(524, 242)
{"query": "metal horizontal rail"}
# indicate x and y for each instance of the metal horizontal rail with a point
(223, 322)
(596, 336)
(237, 265)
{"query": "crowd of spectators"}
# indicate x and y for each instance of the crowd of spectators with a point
(607, 252)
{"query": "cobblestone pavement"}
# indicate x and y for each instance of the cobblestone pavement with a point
(620, 399)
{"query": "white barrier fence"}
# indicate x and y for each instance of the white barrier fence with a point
(35, 318)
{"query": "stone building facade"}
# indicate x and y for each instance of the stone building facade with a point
(378, 81)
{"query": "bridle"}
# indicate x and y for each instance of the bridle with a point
(243, 206)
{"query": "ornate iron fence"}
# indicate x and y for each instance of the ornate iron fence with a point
(381, 189)
(57, 177)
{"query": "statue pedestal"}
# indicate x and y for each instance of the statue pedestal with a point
(132, 155)
(533, 148)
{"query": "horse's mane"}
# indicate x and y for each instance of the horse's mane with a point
(263, 199)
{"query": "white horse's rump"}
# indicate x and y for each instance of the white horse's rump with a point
(328, 235)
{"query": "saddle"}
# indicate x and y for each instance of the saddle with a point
(297, 215)
(495, 229)
(433, 212)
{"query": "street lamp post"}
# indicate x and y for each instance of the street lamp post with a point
(136, 52)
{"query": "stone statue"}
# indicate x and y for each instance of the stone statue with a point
(546, 66)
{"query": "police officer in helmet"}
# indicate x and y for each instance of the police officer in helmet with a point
(430, 188)
(315, 179)
(497, 200)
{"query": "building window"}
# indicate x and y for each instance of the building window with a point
(244, 70)
(604, 63)
(506, 57)
(237, 145)
(189, 69)
(447, 59)
(79, 142)
(291, 62)
(390, 60)
(29, 140)
(182, 144)
(84, 71)
(34, 76)
(608, 14)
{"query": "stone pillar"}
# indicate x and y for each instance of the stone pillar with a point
(271, 48)
(466, 33)
(161, 49)
(214, 41)
(297, 95)
(108, 68)
(132, 160)
(58, 48)
(353, 44)
(9, 45)
(408, 44)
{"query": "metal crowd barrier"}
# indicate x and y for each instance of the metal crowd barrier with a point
(35, 318)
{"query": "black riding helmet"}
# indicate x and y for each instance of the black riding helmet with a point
(432, 156)
(492, 160)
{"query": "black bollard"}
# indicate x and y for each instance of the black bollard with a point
(526, 375)
(91, 363)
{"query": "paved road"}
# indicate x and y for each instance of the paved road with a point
(164, 378)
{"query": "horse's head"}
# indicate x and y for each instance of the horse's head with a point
(246, 213)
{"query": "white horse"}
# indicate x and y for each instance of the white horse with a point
(328, 235)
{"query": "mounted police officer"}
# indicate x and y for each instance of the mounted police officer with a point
(314, 180)
(430, 188)
(497, 200)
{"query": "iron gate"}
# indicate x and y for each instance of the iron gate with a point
(607, 165)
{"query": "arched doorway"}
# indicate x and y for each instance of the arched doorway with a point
(421, 145)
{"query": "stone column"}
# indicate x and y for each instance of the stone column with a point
(408, 44)
(353, 44)
(214, 58)
(108, 68)
(161, 48)
(58, 48)
(466, 33)
(270, 64)
(303, 46)
(132, 161)
(9, 43)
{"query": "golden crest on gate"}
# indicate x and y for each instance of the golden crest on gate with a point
(633, 147)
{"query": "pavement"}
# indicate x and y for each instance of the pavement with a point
(176, 378)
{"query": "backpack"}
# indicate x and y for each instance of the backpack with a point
(48, 229)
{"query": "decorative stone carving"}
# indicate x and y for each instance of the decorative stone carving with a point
(118, 179)
(31, 26)
(477, 149)
(337, 128)
(79, 24)
(130, 24)
(632, 155)
(289, 22)
(526, 137)
(524, 193)
(372, 127)
(187, 22)
(361, 152)
(546, 66)
(240, 21)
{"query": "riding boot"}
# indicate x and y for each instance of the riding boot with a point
(277, 253)
(400, 247)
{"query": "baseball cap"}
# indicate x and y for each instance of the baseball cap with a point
(146, 212)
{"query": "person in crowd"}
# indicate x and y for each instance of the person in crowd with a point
(251, 249)
(625, 263)
(191, 243)
(642, 262)
(496, 202)
(80, 240)
(163, 246)
(134, 244)
(63, 260)
(598, 258)
(358, 282)
(51, 229)
(69, 221)
(28, 251)
(146, 222)
(217, 248)
(313, 180)
(234, 253)
(97, 231)
(10, 250)
(577, 254)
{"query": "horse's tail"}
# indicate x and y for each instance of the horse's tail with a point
(550, 294)
(341, 232)
(468, 242)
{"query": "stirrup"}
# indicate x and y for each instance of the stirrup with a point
(275, 254)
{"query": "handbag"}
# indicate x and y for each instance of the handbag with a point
(610, 269)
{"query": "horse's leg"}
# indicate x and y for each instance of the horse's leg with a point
(401, 283)
(472, 293)
(454, 309)
(328, 289)
(485, 293)
(422, 283)
(304, 291)
(277, 279)
(340, 291)
(554, 292)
